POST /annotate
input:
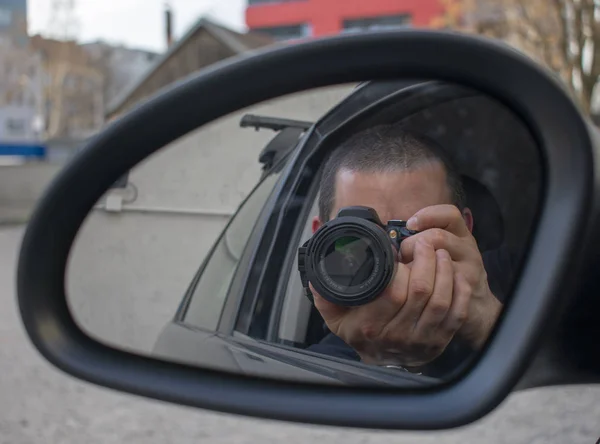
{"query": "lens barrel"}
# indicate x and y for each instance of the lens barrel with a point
(349, 261)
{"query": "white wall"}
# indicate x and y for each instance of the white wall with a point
(129, 270)
(20, 188)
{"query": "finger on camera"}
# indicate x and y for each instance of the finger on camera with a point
(458, 313)
(373, 317)
(420, 285)
(439, 239)
(446, 217)
(397, 290)
(439, 303)
(328, 310)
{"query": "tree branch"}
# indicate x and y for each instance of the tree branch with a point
(543, 41)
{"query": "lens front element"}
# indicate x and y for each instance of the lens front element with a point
(349, 260)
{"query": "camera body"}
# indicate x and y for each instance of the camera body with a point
(351, 259)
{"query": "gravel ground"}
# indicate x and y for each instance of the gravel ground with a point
(39, 404)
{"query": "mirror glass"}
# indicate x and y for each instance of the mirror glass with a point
(363, 234)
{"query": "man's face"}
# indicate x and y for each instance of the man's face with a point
(394, 195)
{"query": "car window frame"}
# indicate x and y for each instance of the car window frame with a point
(242, 304)
(252, 286)
(182, 309)
(231, 307)
(290, 255)
(311, 360)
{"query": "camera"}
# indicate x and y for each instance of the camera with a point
(351, 259)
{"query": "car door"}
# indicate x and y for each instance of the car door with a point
(209, 324)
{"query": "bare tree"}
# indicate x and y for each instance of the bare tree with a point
(100, 59)
(73, 89)
(452, 16)
(564, 35)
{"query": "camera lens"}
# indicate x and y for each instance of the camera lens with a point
(349, 260)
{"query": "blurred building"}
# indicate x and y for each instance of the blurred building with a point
(81, 79)
(47, 88)
(13, 21)
(73, 89)
(204, 44)
(21, 94)
(120, 66)
(298, 19)
(21, 87)
(485, 17)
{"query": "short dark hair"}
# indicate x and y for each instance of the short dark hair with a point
(385, 148)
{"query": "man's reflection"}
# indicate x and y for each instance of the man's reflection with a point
(439, 307)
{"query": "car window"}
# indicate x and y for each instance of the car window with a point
(211, 291)
(467, 122)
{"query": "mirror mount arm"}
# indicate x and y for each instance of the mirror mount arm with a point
(273, 123)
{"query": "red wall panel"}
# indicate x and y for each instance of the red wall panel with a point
(326, 16)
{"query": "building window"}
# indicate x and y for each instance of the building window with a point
(5, 17)
(376, 23)
(48, 106)
(72, 109)
(17, 98)
(70, 81)
(286, 32)
(260, 2)
(15, 127)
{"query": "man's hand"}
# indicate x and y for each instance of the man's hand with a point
(443, 227)
(413, 320)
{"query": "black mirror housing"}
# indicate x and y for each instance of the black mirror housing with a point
(547, 295)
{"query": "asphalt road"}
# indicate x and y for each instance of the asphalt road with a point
(39, 404)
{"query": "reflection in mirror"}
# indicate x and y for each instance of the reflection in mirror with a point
(356, 234)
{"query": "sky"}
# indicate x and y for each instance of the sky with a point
(136, 23)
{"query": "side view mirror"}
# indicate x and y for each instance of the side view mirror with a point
(527, 164)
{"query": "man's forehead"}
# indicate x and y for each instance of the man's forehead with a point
(424, 171)
(394, 193)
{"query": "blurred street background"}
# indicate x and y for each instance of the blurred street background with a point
(70, 67)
